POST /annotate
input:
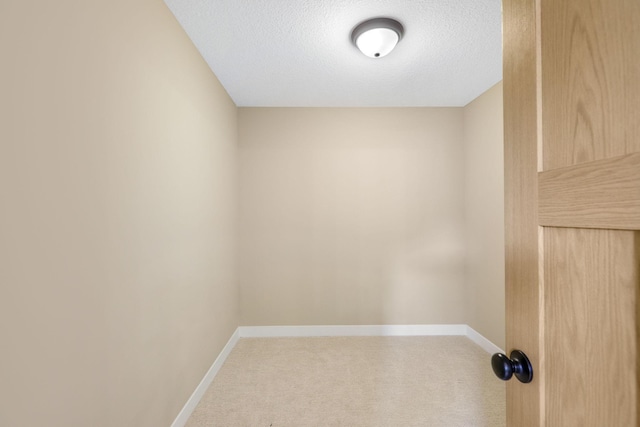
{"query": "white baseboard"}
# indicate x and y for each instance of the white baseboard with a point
(325, 331)
(479, 339)
(193, 401)
(369, 330)
(350, 330)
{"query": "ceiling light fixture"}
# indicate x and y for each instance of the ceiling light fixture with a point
(377, 37)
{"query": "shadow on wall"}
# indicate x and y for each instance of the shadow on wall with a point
(429, 267)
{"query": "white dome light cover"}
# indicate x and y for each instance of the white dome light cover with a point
(377, 37)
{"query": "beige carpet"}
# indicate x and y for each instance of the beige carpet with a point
(354, 381)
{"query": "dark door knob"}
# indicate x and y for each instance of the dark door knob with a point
(518, 364)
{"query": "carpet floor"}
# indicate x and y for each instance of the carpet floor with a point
(352, 382)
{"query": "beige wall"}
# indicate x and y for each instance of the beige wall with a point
(117, 223)
(351, 216)
(484, 209)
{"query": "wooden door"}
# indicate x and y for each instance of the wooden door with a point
(572, 188)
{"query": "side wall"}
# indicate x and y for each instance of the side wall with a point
(118, 219)
(484, 210)
(351, 216)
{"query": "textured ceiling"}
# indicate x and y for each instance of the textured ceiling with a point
(289, 53)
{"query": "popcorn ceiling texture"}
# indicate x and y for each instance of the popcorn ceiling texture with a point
(284, 53)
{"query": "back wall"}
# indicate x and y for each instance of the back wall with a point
(351, 216)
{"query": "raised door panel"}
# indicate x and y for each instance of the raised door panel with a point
(591, 288)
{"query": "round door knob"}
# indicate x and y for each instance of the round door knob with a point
(518, 364)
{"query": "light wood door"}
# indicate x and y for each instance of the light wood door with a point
(572, 188)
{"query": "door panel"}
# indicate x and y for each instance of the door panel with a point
(572, 188)
(590, 105)
(590, 84)
(590, 327)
